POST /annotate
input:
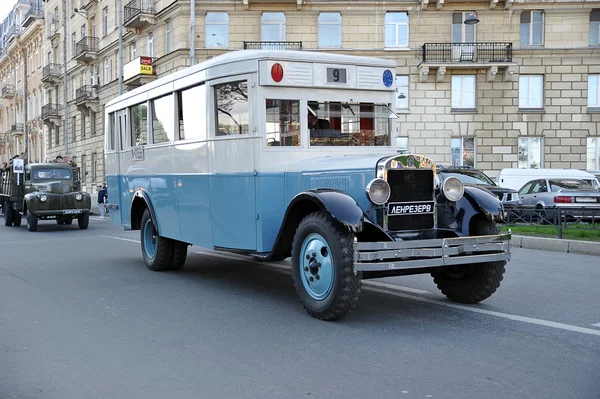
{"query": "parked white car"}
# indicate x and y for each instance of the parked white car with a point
(516, 178)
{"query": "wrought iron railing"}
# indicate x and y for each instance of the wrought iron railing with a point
(14, 29)
(36, 10)
(88, 43)
(137, 7)
(467, 52)
(8, 90)
(86, 93)
(51, 110)
(272, 45)
(52, 71)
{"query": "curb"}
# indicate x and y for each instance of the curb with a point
(557, 245)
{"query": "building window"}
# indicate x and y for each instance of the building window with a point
(283, 123)
(83, 167)
(595, 27)
(272, 27)
(92, 123)
(73, 130)
(105, 21)
(83, 121)
(232, 108)
(133, 50)
(463, 92)
(106, 77)
(216, 30)
(594, 92)
(396, 29)
(402, 92)
(461, 32)
(402, 144)
(593, 153)
(532, 28)
(462, 151)
(74, 88)
(531, 91)
(150, 44)
(169, 36)
(74, 43)
(530, 152)
(330, 30)
(57, 136)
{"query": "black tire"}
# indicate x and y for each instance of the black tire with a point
(17, 218)
(472, 283)
(345, 287)
(179, 255)
(9, 214)
(60, 220)
(69, 220)
(160, 258)
(32, 222)
(83, 221)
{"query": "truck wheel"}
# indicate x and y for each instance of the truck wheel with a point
(32, 222)
(156, 250)
(9, 214)
(83, 220)
(472, 283)
(17, 218)
(179, 255)
(323, 268)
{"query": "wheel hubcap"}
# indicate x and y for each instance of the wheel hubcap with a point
(149, 239)
(316, 266)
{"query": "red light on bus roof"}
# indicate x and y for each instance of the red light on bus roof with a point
(277, 72)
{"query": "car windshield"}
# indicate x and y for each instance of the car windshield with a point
(348, 124)
(570, 185)
(471, 177)
(52, 174)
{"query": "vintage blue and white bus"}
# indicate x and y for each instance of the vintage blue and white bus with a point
(278, 154)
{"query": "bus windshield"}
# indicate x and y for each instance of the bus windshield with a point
(348, 124)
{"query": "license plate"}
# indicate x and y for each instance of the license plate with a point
(71, 211)
(585, 199)
(411, 208)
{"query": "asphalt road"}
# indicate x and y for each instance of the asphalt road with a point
(82, 317)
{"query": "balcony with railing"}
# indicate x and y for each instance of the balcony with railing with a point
(51, 114)
(86, 50)
(35, 12)
(139, 13)
(51, 74)
(476, 55)
(17, 128)
(87, 98)
(8, 91)
(88, 4)
(12, 33)
(272, 45)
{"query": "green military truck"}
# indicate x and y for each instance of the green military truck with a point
(43, 191)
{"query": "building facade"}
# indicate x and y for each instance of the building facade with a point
(519, 88)
(21, 95)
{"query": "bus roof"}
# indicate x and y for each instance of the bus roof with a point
(258, 55)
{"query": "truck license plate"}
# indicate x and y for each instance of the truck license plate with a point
(71, 211)
(411, 208)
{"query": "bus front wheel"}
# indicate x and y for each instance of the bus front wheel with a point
(157, 250)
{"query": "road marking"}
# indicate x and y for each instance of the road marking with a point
(391, 289)
(122, 239)
(596, 325)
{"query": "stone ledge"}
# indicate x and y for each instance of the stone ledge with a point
(557, 245)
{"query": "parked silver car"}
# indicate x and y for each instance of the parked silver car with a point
(560, 193)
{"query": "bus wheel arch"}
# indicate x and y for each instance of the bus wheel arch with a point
(139, 204)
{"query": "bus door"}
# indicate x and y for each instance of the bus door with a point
(112, 169)
(122, 130)
(233, 162)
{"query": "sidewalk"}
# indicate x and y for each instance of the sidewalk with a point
(557, 245)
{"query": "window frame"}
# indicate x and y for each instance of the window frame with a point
(462, 149)
(528, 138)
(213, 111)
(284, 97)
(396, 25)
(530, 28)
(282, 26)
(594, 22)
(593, 107)
(596, 154)
(208, 24)
(169, 35)
(463, 26)
(151, 115)
(528, 106)
(461, 107)
(339, 25)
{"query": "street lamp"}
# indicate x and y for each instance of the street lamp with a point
(471, 19)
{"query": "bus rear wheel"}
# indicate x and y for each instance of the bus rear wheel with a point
(156, 250)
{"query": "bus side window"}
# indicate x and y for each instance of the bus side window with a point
(112, 130)
(139, 124)
(192, 113)
(231, 103)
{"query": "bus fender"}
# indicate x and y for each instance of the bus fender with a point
(340, 206)
(139, 202)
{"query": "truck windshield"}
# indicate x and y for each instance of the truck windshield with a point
(51, 174)
(347, 124)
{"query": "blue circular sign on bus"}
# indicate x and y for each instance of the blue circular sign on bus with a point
(388, 78)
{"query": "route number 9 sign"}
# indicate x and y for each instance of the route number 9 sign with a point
(336, 75)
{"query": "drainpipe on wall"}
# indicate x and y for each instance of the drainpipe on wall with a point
(120, 52)
(66, 80)
(192, 32)
(25, 97)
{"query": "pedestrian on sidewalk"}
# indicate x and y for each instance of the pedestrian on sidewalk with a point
(101, 200)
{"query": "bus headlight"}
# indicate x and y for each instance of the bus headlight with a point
(78, 197)
(453, 189)
(378, 191)
(43, 198)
